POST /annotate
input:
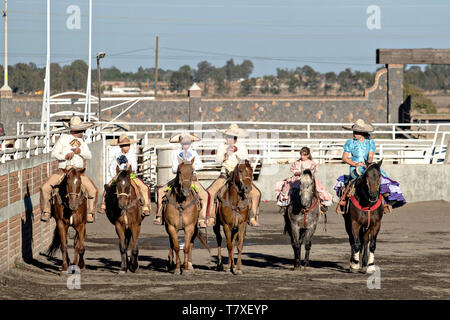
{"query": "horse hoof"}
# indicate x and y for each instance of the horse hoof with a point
(219, 267)
(134, 269)
(305, 268)
(237, 272)
(190, 266)
(371, 269)
(297, 268)
(122, 271)
(353, 270)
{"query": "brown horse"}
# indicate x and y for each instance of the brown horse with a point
(181, 211)
(123, 209)
(233, 211)
(69, 208)
(363, 218)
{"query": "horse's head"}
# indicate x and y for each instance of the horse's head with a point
(73, 187)
(307, 188)
(185, 175)
(372, 178)
(123, 188)
(243, 176)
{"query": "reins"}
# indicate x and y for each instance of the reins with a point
(305, 211)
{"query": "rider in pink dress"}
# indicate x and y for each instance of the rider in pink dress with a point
(283, 188)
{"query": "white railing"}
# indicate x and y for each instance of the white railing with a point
(28, 145)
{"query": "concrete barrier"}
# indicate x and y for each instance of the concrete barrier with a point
(419, 182)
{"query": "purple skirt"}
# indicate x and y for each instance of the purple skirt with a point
(395, 198)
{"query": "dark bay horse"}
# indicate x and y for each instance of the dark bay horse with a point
(233, 211)
(362, 217)
(123, 209)
(181, 212)
(301, 217)
(69, 207)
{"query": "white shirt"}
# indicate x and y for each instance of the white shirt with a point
(230, 162)
(180, 154)
(63, 147)
(116, 153)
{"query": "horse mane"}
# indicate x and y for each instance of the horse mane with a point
(311, 174)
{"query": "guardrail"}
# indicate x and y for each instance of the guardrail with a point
(27, 145)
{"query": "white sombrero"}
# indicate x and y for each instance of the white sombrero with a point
(123, 140)
(184, 136)
(235, 131)
(75, 124)
(360, 126)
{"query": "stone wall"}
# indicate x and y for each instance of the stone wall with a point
(22, 235)
(374, 106)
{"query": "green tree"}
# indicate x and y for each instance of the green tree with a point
(247, 87)
(420, 103)
(181, 79)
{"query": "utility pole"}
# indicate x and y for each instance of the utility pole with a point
(6, 90)
(156, 65)
(99, 56)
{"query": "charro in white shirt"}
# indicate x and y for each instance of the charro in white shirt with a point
(230, 162)
(63, 147)
(187, 155)
(117, 152)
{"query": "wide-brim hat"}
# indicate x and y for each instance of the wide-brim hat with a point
(75, 124)
(123, 140)
(235, 131)
(360, 126)
(184, 136)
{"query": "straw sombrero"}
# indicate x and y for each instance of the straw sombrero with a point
(360, 126)
(123, 140)
(235, 131)
(75, 124)
(184, 136)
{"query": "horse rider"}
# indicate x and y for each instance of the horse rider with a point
(71, 151)
(123, 158)
(357, 152)
(184, 153)
(228, 155)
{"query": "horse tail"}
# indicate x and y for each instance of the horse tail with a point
(203, 240)
(56, 243)
(287, 222)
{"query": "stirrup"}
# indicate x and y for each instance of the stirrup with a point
(201, 223)
(157, 221)
(46, 217)
(254, 222)
(93, 217)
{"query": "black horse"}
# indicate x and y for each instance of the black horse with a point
(363, 214)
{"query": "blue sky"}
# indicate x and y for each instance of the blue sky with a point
(328, 35)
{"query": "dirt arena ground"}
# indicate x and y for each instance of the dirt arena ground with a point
(412, 253)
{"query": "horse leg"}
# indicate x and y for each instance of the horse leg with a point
(242, 230)
(364, 247)
(296, 245)
(188, 234)
(308, 237)
(191, 247)
(170, 264)
(120, 230)
(81, 247)
(228, 237)
(356, 247)
(216, 229)
(234, 235)
(174, 236)
(62, 229)
(135, 231)
(373, 243)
